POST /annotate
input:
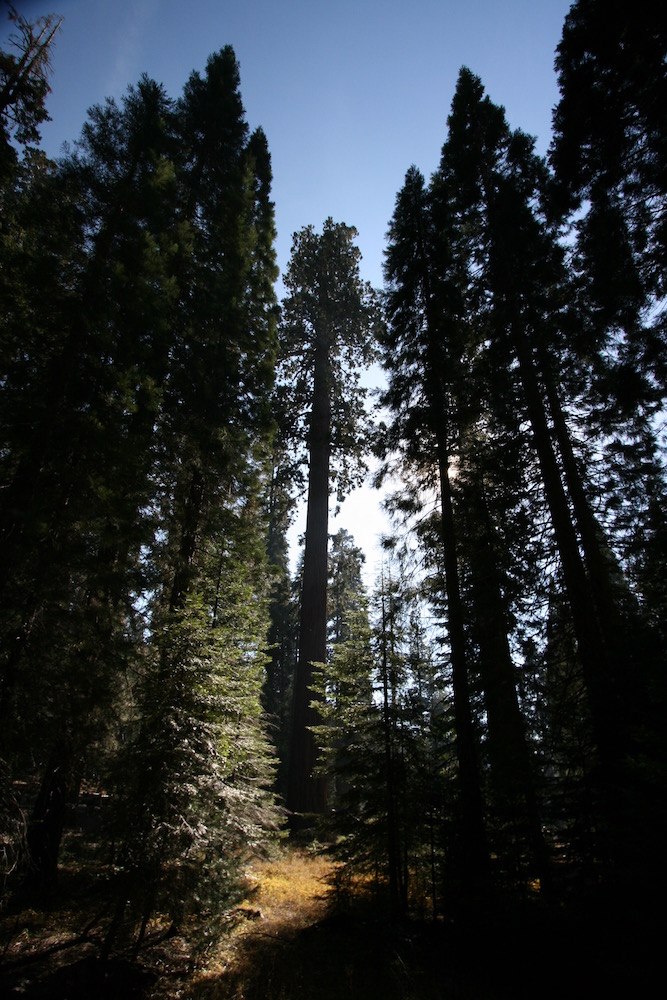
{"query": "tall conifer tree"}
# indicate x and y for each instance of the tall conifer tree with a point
(329, 316)
(422, 352)
(132, 505)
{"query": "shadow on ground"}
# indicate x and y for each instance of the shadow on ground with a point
(484, 957)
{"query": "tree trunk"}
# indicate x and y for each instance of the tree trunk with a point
(618, 623)
(605, 716)
(392, 831)
(511, 768)
(45, 828)
(474, 850)
(604, 713)
(190, 526)
(306, 792)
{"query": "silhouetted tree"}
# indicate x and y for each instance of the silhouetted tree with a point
(329, 315)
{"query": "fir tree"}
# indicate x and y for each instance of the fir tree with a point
(422, 356)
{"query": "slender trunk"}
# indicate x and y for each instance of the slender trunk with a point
(634, 720)
(113, 929)
(392, 850)
(604, 712)
(16, 643)
(188, 544)
(474, 847)
(142, 933)
(33, 53)
(45, 828)
(619, 628)
(19, 544)
(434, 884)
(511, 766)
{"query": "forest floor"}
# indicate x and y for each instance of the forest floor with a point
(293, 940)
(50, 951)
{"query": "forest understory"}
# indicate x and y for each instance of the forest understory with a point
(296, 936)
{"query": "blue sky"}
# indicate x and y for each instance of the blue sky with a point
(349, 92)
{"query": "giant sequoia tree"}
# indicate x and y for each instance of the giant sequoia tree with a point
(329, 316)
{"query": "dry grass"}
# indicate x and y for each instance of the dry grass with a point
(298, 944)
(286, 895)
(295, 944)
(50, 951)
(292, 891)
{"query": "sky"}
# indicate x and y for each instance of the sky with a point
(350, 94)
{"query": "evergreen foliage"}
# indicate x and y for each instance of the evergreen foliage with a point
(492, 715)
(138, 361)
(24, 84)
(489, 381)
(385, 736)
(329, 317)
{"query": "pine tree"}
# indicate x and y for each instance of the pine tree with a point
(496, 174)
(608, 157)
(499, 190)
(344, 583)
(384, 737)
(514, 805)
(194, 782)
(609, 149)
(348, 735)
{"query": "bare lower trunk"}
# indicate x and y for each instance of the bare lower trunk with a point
(307, 792)
(511, 766)
(604, 708)
(474, 851)
(47, 822)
